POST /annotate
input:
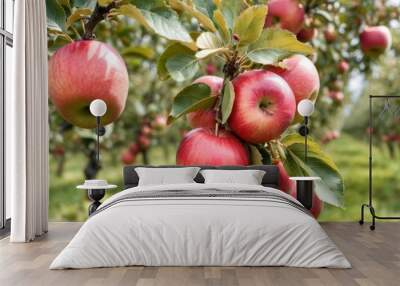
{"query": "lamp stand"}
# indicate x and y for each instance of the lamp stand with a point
(98, 138)
(303, 130)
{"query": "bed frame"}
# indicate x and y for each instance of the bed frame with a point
(271, 177)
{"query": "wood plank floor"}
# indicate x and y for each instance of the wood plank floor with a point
(375, 257)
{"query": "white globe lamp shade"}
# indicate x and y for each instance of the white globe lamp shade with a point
(305, 107)
(98, 107)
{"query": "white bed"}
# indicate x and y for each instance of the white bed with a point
(268, 228)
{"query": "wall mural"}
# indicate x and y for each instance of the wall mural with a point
(214, 83)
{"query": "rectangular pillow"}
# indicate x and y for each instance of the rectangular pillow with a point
(247, 177)
(163, 176)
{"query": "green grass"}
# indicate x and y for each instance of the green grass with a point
(69, 204)
(351, 156)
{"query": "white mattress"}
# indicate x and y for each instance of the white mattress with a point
(203, 231)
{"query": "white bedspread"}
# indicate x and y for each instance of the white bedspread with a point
(185, 231)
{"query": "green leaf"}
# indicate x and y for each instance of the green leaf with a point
(208, 52)
(162, 24)
(254, 156)
(148, 4)
(56, 16)
(78, 14)
(172, 50)
(268, 56)
(85, 3)
(192, 98)
(206, 7)
(190, 9)
(208, 40)
(139, 51)
(323, 15)
(227, 101)
(275, 44)
(182, 67)
(104, 3)
(249, 25)
(331, 187)
(56, 33)
(230, 10)
(266, 157)
(222, 26)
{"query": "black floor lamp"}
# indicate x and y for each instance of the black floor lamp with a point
(305, 185)
(98, 108)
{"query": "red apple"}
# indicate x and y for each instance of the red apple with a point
(301, 75)
(337, 96)
(330, 135)
(202, 147)
(146, 130)
(375, 40)
(144, 142)
(290, 14)
(264, 106)
(317, 204)
(307, 34)
(83, 71)
(285, 184)
(343, 66)
(330, 34)
(211, 69)
(127, 157)
(159, 122)
(58, 151)
(134, 148)
(206, 118)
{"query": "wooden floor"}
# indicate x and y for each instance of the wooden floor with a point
(375, 257)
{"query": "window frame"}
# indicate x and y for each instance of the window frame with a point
(6, 39)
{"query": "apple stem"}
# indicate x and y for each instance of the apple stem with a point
(98, 15)
(274, 153)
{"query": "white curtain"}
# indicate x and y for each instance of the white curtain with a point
(27, 124)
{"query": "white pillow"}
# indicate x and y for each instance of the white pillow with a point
(166, 176)
(247, 177)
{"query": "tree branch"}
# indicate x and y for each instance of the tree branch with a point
(98, 15)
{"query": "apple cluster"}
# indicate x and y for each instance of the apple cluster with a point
(143, 139)
(264, 107)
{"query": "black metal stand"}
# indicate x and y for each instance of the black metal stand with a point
(370, 195)
(95, 196)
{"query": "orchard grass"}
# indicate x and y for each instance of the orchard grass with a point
(351, 155)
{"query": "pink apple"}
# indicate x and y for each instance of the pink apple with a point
(264, 106)
(330, 34)
(159, 122)
(211, 69)
(317, 204)
(301, 75)
(285, 184)
(337, 96)
(127, 157)
(290, 14)
(375, 40)
(146, 130)
(202, 147)
(206, 118)
(307, 34)
(83, 71)
(330, 135)
(343, 66)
